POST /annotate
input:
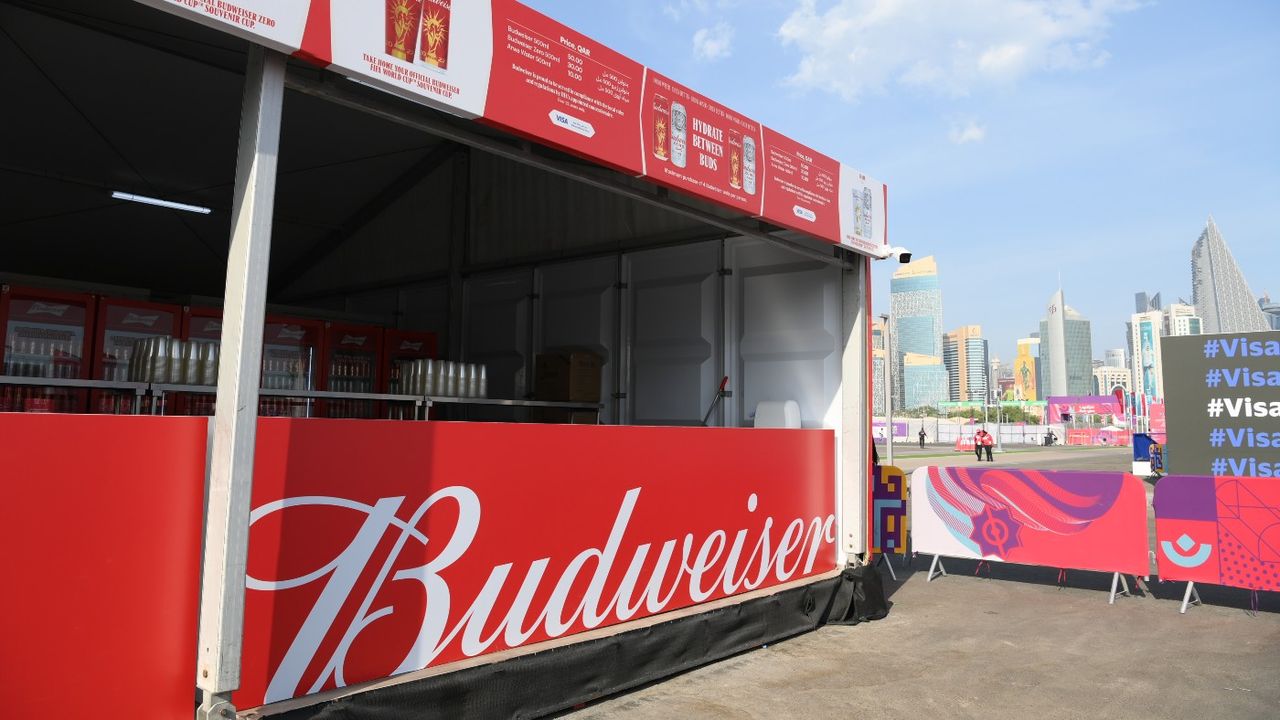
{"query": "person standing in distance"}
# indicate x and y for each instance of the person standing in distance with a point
(977, 443)
(922, 436)
(987, 441)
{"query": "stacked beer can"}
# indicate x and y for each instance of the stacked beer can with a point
(174, 362)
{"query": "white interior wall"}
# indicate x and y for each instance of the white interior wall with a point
(673, 311)
(498, 330)
(785, 332)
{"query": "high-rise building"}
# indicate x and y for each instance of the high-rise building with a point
(1115, 358)
(878, 359)
(1026, 369)
(924, 380)
(1271, 310)
(1106, 379)
(964, 352)
(1066, 350)
(1181, 319)
(916, 306)
(1143, 302)
(1218, 288)
(1146, 368)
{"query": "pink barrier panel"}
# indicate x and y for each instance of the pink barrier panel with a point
(1223, 530)
(1080, 520)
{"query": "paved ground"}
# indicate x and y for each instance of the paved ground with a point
(1011, 646)
(1119, 459)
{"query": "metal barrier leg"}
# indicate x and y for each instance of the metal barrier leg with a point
(1188, 595)
(936, 565)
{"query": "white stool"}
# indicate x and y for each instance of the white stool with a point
(778, 414)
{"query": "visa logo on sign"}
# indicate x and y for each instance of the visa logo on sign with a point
(40, 308)
(804, 213)
(136, 319)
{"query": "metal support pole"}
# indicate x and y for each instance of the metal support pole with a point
(888, 392)
(226, 541)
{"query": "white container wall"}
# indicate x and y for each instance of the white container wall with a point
(673, 315)
(785, 339)
(499, 311)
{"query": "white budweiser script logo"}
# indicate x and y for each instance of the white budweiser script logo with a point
(357, 340)
(43, 308)
(136, 319)
(407, 345)
(718, 564)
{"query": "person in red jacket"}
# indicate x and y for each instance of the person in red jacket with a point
(987, 441)
(977, 443)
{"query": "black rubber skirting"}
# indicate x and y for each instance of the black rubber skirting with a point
(543, 683)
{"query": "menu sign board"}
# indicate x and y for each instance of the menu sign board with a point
(801, 187)
(278, 24)
(694, 144)
(555, 84)
(863, 210)
(436, 52)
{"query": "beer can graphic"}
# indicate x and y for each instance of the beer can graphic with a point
(402, 27)
(661, 126)
(749, 165)
(679, 135)
(437, 23)
(735, 159)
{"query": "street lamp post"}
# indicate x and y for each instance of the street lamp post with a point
(889, 361)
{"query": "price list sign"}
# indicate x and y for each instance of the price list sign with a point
(801, 187)
(558, 86)
(1223, 404)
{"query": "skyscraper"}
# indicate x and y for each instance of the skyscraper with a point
(1180, 319)
(924, 380)
(1218, 288)
(916, 306)
(1115, 358)
(1066, 349)
(878, 358)
(1147, 368)
(965, 355)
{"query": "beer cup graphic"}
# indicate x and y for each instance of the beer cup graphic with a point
(402, 27)
(661, 126)
(437, 22)
(679, 135)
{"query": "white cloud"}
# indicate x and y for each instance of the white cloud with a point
(714, 43)
(967, 132)
(855, 47)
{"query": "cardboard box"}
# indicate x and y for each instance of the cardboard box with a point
(569, 376)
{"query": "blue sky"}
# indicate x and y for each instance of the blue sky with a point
(1019, 138)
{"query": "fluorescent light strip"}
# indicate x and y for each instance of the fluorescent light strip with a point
(160, 203)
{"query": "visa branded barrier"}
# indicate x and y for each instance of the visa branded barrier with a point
(1219, 530)
(1081, 520)
(104, 544)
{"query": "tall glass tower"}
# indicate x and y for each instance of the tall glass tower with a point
(1076, 339)
(1219, 290)
(916, 307)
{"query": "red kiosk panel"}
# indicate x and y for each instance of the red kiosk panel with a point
(46, 334)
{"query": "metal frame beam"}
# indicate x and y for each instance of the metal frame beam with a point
(235, 422)
(408, 180)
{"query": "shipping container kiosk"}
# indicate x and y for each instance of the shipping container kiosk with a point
(350, 209)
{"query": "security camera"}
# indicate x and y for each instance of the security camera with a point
(902, 254)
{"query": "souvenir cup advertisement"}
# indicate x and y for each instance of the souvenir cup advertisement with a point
(698, 146)
(863, 206)
(379, 549)
(801, 187)
(553, 83)
(436, 52)
(278, 24)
